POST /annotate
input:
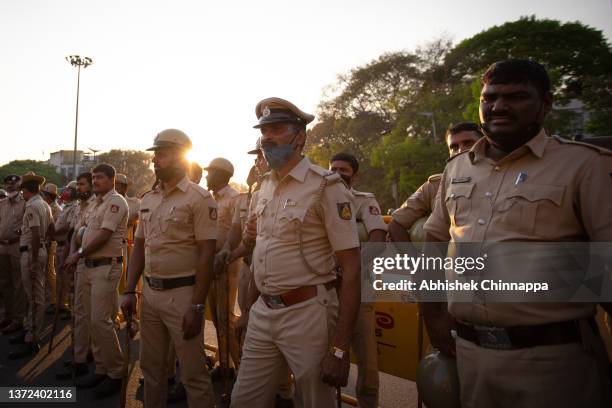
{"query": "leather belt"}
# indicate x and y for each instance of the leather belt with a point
(170, 283)
(25, 248)
(94, 263)
(517, 337)
(61, 243)
(294, 296)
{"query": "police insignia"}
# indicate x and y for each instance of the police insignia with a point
(114, 208)
(30, 216)
(265, 112)
(374, 210)
(212, 213)
(344, 211)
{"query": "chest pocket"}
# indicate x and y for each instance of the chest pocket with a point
(528, 203)
(145, 219)
(458, 203)
(177, 222)
(288, 223)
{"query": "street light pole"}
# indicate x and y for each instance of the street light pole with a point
(77, 61)
(433, 123)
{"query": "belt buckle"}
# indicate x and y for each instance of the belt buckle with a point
(274, 301)
(156, 284)
(493, 337)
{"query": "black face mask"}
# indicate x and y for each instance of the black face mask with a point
(168, 173)
(84, 196)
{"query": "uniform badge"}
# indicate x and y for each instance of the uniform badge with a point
(344, 210)
(212, 213)
(459, 180)
(114, 208)
(374, 210)
(30, 216)
(266, 112)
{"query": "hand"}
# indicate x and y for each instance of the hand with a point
(439, 325)
(242, 324)
(192, 323)
(335, 372)
(221, 260)
(128, 305)
(250, 233)
(72, 260)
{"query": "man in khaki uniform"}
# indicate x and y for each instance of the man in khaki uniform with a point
(62, 230)
(304, 219)
(49, 194)
(101, 251)
(174, 248)
(222, 298)
(82, 338)
(517, 184)
(367, 212)
(459, 138)
(37, 224)
(11, 217)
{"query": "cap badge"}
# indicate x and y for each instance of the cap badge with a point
(266, 112)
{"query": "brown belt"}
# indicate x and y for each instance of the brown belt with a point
(25, 248)
(294, 296)
(517, 337)
(170, 283)
(94, 263)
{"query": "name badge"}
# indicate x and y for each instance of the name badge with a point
(459, 180)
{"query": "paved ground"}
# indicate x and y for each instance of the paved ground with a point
(40, 371)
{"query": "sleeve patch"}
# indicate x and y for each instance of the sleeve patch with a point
(114, 208)
(212, 213)
(344, 210)
(374, 210)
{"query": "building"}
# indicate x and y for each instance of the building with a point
(63, 162)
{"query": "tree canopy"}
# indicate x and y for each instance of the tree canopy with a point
(21, 167)
(135, 164)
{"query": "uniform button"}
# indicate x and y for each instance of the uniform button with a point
(260, 259)
(452, 195)
(481, 221)
(263, 283)
(496, 168)
(488, 194)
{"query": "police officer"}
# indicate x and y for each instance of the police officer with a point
(492, 194)
(304, 218)
(49, 194)
(459, 138)
(101, 252)
(223, 291)
(121, 186)
(367, 212)
(11, 217)
(174, 248)
(36, 226)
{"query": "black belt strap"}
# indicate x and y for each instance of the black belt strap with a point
(25, 248)
(170, 283)
(94, 263)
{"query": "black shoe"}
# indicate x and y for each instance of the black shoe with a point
(80, 369)
(280, 402)
(171, 381)
(50, 309)
(68, 363)
(177, 393)
(12, 328)
(216, 374)
(90, 380)
(108, 387)
(24, 350)
(65, 314)
(18, 339)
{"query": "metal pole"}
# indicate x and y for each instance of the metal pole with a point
(76, 125)
(433, 125)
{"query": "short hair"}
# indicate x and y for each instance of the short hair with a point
(453, 129)
(347, 157)
(86, 175)
(106, 169)
(32, 186)
(195, 169)
(513, 71)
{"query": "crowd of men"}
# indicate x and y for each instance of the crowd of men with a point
(287, 252)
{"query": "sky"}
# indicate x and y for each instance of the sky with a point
(202, 66)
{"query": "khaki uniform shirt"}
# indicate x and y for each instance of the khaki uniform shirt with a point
(547, 190)
(108, 212)
(171, 224)
(368, 211)
(241, 209)
(80, 213)
(420, 204)
(56, 210)
(288, 210)
(37, 214)
(11, 217)
(225, 199)
(64, 219)
(133, 207)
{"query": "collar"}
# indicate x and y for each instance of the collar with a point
(182, 185)
(536, 146)
(103, 198)
(299, 171)
(224, 191)
(35, 198)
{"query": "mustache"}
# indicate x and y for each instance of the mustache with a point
(491, 116)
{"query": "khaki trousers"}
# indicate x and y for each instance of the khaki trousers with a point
(244, 275)
(50, 277)
(36, 301)
(294, 338)
(559, 376)
(62, 278)
(15, 304)
(366, 352)
(99, 288)
(218, 304)
(161, 320)
(81, 320)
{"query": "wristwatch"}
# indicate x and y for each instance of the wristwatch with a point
(338, 352)
(80, 251)
(199, 307)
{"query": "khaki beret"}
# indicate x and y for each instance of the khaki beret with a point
(50, 188)
(72, 184)
(122, 179)
(30, 176)
(273, 110)
(221, 164)
(12, 177)
(171, 138)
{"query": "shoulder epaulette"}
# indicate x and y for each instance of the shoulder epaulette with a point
(363, 194)
(146, 192)
(435, 177)
(599, 149)
(198, 188)
(457, 155)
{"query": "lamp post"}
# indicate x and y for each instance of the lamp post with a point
(433, 123)
(77, 61)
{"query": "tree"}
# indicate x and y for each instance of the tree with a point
(21, 167)
(135, 164)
